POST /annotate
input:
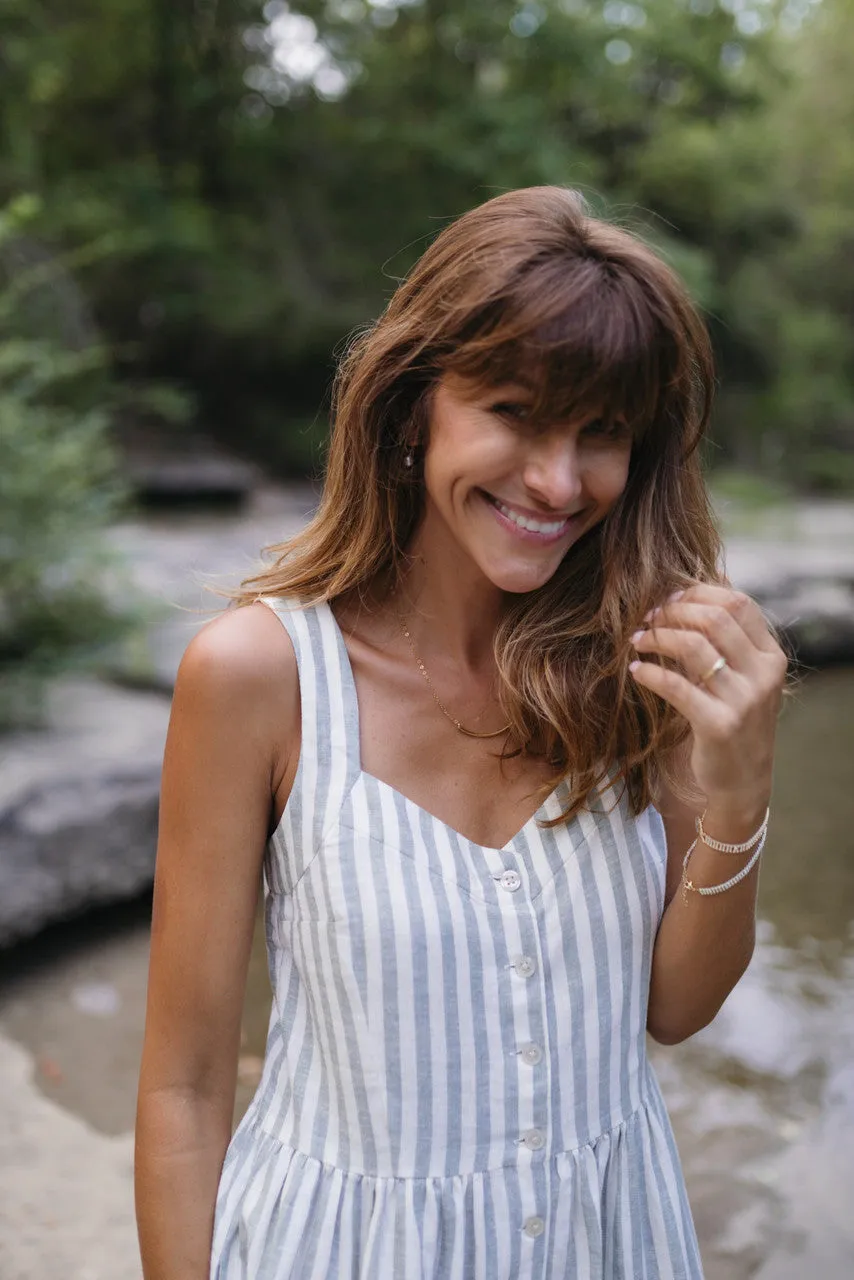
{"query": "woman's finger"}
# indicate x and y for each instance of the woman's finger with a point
(727, 609)
(692, 649)
(718, 626)
(705, 712)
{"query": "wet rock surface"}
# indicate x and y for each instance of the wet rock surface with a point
(815, 616)
(798, 562)
(78, 805)
(169, 468)
(78, 798)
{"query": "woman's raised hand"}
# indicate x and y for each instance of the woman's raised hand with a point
(732, 706)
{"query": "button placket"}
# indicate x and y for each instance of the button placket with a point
(530, 1052)
(532, 1084)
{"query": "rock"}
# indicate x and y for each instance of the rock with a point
(172, 557)
(179, 468)
(78, 805)
(798, 562)
(193, 478)
(78, 800)
(815, 615)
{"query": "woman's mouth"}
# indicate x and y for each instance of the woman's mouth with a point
(526, 526)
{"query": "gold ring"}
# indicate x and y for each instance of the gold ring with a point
(718, 665)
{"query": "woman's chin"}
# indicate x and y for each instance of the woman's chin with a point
(519, 579)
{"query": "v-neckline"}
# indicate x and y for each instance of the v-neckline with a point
(541, 811)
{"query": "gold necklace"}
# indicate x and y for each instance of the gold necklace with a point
(470, 733)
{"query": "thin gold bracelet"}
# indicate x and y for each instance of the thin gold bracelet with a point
(718, 888)
(720, 847)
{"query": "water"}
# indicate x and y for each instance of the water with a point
(762, 1101)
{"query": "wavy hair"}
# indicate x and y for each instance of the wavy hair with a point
(530, 288)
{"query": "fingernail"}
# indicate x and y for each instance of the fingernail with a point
(677, 595)
(633, 666)
(636, 636)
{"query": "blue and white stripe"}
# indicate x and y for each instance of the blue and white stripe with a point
(456, 1083)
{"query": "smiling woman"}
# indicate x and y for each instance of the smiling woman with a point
(542, 483)
(528, 306)
(467, 945)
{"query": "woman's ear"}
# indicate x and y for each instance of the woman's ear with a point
(417, 434)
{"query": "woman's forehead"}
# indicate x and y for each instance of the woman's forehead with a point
(564, 400)
(467, 387)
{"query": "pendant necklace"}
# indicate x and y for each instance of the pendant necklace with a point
(469, 733)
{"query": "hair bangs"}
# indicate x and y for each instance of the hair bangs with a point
(583, 341)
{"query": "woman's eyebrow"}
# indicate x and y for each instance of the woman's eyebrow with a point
(514, 388)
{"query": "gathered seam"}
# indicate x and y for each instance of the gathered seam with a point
(257, 1126)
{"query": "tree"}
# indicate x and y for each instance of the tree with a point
(272, 170)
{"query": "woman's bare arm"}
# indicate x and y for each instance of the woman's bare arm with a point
(728, 685)
(704, 944)
(234, 713)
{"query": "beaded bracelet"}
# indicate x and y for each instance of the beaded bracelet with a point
(728, 884)
(720, 847)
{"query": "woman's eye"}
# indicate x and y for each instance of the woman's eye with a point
(613, 430)
(511, 409)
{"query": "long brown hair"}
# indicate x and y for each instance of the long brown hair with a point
(530, 288)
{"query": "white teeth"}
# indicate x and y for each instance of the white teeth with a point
(525, 522)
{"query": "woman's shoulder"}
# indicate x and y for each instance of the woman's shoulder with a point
(245, 646)
(242, 664)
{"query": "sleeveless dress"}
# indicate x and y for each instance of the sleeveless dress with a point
(456, 1083)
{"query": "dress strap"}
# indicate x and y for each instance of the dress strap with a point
(329, 760)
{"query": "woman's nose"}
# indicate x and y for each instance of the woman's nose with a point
(553, 473)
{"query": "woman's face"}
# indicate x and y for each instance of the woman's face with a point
(515, 499)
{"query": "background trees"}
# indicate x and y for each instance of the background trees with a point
(263, 175)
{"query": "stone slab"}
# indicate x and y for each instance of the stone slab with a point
(78, 804)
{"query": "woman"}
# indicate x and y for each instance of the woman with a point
(465, 723)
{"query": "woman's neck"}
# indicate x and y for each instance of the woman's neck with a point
(451, 608)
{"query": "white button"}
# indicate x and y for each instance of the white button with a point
(534, 1227)
(510, 880)
(525, 966)
(531, 1053)
(533, 1139)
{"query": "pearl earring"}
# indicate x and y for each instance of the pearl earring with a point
(408, 459)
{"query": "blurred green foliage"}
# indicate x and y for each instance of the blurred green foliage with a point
(272, 170)
(59, 490)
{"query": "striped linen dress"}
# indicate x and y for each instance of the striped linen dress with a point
(456, 1083)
